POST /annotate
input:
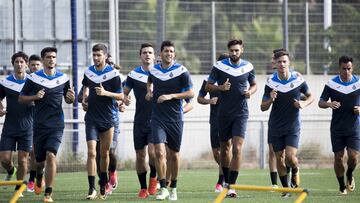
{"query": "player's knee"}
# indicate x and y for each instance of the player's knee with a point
(140, 155)
(159, 153)
(50, 156)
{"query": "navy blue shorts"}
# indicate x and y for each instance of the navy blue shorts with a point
(169, 133)
(280, 140)
(46, 140)
(232, 126)
(92, 129)
(16, 141)
(214, 135)
(141, 135)
(339, 142)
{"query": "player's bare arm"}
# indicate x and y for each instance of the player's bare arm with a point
(70, 96)
(182, 95)
(24, 99)
(102, 92)
(302, 104)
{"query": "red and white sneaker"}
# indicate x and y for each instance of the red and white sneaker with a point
(218, 187)
(30, 186)
(231, 193)
(113, 180)
(152, 186)
(143, 194)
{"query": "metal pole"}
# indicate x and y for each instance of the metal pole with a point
(285, 25)
(21, 25)
(112, 31)
(307, 39)
(327, 25)
(74, 54)
(262, 146)
(15, 31)
(53, 23)
(213, 31)
(87, 32)
(160, 25)
(117, 40)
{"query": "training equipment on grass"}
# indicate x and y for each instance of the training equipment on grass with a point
(300, 199)
(18, 192)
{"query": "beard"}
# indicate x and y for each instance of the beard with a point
(234, 58)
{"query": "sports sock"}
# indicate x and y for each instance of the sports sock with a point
(32, 176)
(39, 178)
(162, 183)
(48, 191)
(273, 176)
(349, 173)
(284, 181)
(142, 180)
(294, 170)
(91, 181)
(103, 178)
(220, 179)
(288, 169)
(173, 183)
(233, 176)
(341, 182)
(11, 171)
(226, 174)
(152, 171)
(112, 165)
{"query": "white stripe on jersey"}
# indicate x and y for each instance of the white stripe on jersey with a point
(290, 85)
(13, 85)
(234, 71)
(345, 89)
(48, 83)
(103, 77)
(169, 74)
(138, 76)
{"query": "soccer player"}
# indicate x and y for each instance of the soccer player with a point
(137, 80)
(46, 88)
(283, 91)
(343, 91)
(102, 84)
(17, 129)
(34, 65)
(171, 84)
(232, 76)
(213, 101)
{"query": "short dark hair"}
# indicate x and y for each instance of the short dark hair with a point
(345, 59)
(281, 53)
(46, 50)
(167, 43)
(100, 47)
(234, 42)
(34, 57)
(277, 50)
(19, 54)
(144, 45)
(223, 56)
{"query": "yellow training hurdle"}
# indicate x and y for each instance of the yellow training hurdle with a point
(301, 198)
(18, 192)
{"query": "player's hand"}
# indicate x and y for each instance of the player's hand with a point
(247, 94)
(299, 104)
(121, 106)
(164, 97)
(127, 100)
(334, 105)
(100, 90)
(2, 112)
(226, 85)
(149, 96)
(70, 94)
(273, 95)
(84, 103)
(40, 94)
(213, 100)
(357, 110)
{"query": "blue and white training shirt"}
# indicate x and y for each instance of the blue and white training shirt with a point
(284, 116)
(233, 102)
(19, 117)
(175, 79)
(213, 108)
(48, 110)
(344, 121)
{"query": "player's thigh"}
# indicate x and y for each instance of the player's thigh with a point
(225, 128)
(140, 136)
(292, 139)
(158, 133)
(7, 141)
(25, 141)
(53, 140)
(239, 127)
(174, 131)
(214, 135)
(338, 142)
(353, 141)
(278, 141)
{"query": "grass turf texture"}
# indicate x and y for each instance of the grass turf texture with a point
(197, 186)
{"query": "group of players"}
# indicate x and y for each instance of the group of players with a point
(34, 117)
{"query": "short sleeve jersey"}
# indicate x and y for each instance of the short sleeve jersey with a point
(137, 80)
(344, 121)
(101, 108)
(213, 108)
(48, 110)
(19, 117)
(233, 102)
(284, 116)
(175, 79)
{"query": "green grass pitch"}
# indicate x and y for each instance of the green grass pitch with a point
(197, 186)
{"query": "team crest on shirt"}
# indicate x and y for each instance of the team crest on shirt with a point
(104, 77)
(171, 74)
(57, 82)
(345, 88)
(292, 85)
